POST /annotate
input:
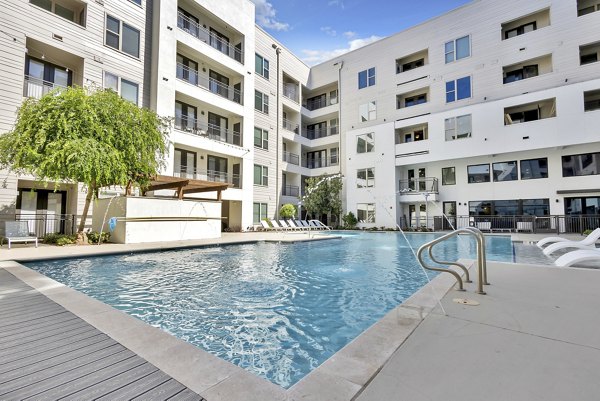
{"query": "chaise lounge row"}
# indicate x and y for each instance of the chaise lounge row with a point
(587, 251)
(293, 225)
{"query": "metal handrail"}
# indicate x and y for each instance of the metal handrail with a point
(481, 259)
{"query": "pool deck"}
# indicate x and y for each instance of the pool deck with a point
(534, 336)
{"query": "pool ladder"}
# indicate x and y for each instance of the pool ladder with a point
(481, 260)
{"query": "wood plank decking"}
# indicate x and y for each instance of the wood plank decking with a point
(48, 353)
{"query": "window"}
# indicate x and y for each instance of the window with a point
(72, 11)
(333, 156)
(589, 53)
(478, 173)
(585, 7)
(505, 171)
(365, 212)
(528, 71)
(415, 100)
(368, 111)
(365, 178)
(261, 66)
(580, 165)
(520, 30)
(449, 176)
(530, 112)
(138, 2)
(458, 90)
(365, 143)
(412, 133)
(316, 102)
(591, 100)
(457, 49)
(589, 205)
(259, 212)
(366, 78)
(534, 168)
(127, 89)
(122, 37)
(185, 163)
(510, 207)
(261, 138)
(458, 127)
(261, 175)
(410, 65)
(261, 102)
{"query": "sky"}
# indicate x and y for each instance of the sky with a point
(318, 30)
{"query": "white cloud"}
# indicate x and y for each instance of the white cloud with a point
(349, 34)
(265, 16)
(312, 57)
(329, 30)
(339, 3)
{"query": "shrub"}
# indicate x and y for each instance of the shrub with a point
(587, 232)
(59, 239)
(287, 211)
(94, 236)
(349, 221)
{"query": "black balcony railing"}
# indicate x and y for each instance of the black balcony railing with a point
(418, 185)
(291, 158)
(290, 126)
(211, 131)
(320, 162)
(316, 133)
(290, 190)
(41, 224)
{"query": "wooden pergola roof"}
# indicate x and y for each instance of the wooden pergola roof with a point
(184, 186)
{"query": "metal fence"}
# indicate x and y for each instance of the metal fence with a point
(41, 224)
(527, 224)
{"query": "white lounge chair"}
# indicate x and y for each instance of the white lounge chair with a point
(550, 249)
(286, 226)
(571, 258)
(320, 224)
(295, 226)
(266, 226)
(589, 240)
(305, 224)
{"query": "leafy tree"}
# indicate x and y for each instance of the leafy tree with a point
(287, 211)
(349, 220)
(322, 195)
(89, 136)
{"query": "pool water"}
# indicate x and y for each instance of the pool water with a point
(277, 310)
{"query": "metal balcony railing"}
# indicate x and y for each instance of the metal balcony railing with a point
(291, 92)
(320, 162)
(36, 87)
(193, 28)
(204, 81)
(418, 185)
(290, 190)
(316, 133)
(210, 175)
(211, 131)
(43, 223)
(290, 126)
(319, 103)
(291, 158)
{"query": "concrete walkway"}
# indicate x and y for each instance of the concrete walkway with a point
(535, 336)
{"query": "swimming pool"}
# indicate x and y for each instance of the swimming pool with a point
(278, 310)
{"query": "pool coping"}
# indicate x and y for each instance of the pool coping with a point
(341, 377)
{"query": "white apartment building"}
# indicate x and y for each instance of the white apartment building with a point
(489, 110)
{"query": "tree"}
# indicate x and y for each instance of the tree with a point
(90, 136)
(322, 195)
(287, 211)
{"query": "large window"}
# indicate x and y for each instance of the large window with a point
(261, 102)
(458, 89)
(365, 143)
(261, 138)
(367, 111)
(578, 165)
(259, 213)
(505, 171)
(457, 49)
(122, 37)
(510, 207)
(591, 100)
(261, 66)
(365, 212)
(527, 71)
(366, 78)
(589, 53)
(520, 30)
(478, 173)
(448, 176)
(365, 178)
(534, 168)
(585, 7)
(127, 89)
(585, 205)
(458, 127)
(261, 175)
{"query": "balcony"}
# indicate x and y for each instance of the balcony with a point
(210, 131)
(530, 112)
(290, 190)
(210, 175)
(70, 10)
(320, 162)
(526, 24)
(36, 87)
(290, 126)
(203, 81)
(290, 91)
(419, 186)
(198, 31)
(320, 102)
(527, 69)
(316, 133)
(291, 158)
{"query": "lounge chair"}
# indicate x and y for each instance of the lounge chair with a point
(315, 225)
(17, 231)
(550, 249)
(320, 224)
(305, 224)
(571, 258)
(276, 226)
(293, 224)
(265, 226)
(286, 226)
(589, 240)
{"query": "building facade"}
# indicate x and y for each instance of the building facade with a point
(495, 117)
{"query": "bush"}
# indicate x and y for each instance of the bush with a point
(587, 232)
(349, 221)
(94, 236)
(287, 211)
(59, 239)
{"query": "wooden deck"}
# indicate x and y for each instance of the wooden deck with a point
(48, 353)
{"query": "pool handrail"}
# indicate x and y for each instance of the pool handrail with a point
(481, 259)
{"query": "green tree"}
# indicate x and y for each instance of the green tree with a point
(322, 195)
(90, 136)
(287, 211)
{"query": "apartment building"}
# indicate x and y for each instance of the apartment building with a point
(497, 116)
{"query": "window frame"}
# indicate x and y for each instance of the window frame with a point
(264, 138)
(456, 97)
(366, 142)
(120, 85)
(264, 101)
(455, 128)
(594, 155)
(264, 66)
(521, 169)
(369, 209)
(516, 175)
(444, 181)
(121, 34)
(369, 177)
(264, 175)
(371, 112)
(454, 43)
(366, 78)
(469, 174)
(261, 217)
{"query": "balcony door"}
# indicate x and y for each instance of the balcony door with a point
(41, 77)
(217, 127)
(185, 117)
(187, 69)
(219, 84)
(217, 168)
(219, 41)
(417, 184)
(185, 164)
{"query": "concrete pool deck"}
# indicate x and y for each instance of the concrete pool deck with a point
(534, 336)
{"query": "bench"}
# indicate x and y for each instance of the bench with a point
(17, 231)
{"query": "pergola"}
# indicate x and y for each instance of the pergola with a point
(184, 186)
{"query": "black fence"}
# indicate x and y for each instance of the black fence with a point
(42, 224)
(527, 224)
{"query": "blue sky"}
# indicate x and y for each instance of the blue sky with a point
(318, 30)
